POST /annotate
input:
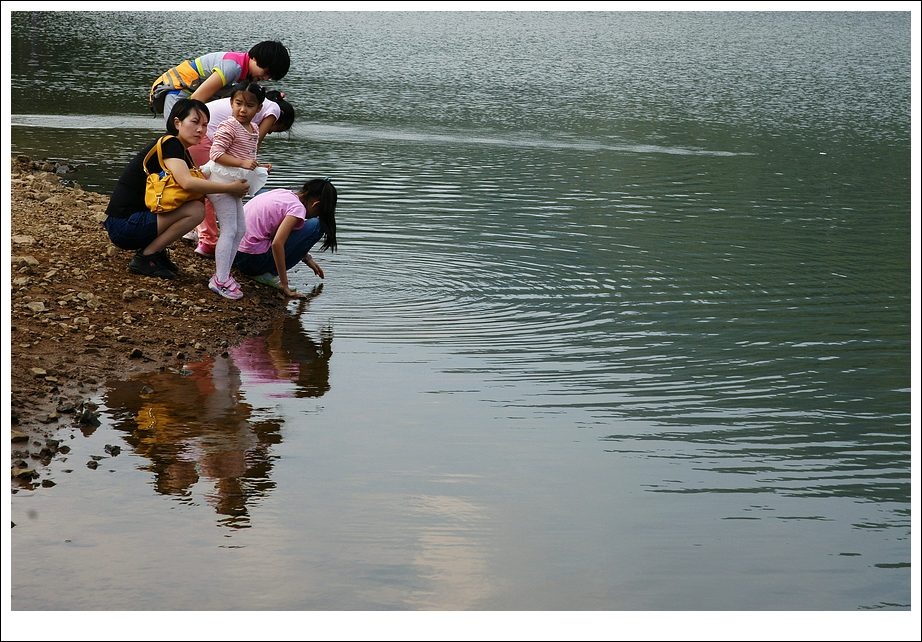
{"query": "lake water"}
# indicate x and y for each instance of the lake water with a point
(620, 321)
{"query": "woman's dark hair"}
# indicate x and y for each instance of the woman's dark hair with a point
(272, 56)
(182, 109)
(323, 189)
(251, 88)
(287, 118)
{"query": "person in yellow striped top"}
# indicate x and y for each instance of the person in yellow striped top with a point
(203, 77)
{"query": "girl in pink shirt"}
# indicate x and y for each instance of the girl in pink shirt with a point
(282, 226)
(233, 156)
(276, 115)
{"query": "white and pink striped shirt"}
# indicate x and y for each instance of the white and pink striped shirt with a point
(231, 138)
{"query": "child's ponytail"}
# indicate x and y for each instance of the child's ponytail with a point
(323, 189)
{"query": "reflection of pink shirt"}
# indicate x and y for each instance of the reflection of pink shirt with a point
(264, 213)
(252, 358)
(257, 368)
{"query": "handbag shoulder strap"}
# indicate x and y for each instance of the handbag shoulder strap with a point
(159, 149)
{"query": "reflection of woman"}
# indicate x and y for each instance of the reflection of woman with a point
(195, 432)
(221, 455)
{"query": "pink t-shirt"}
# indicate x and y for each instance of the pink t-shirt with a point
(264, 213)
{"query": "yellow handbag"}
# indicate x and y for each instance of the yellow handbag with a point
(163, 194)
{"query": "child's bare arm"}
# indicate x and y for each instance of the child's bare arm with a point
(209, 88)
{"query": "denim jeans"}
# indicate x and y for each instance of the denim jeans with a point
(133, 233)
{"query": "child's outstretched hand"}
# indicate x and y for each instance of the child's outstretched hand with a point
(313, 265)
(291, 294)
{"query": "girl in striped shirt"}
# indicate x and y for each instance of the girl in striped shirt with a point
(233, 156)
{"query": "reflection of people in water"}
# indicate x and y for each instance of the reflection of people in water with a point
(196, 427)
(199, 432)
(288, 353)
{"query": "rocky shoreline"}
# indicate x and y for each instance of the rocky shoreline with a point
(79, 318)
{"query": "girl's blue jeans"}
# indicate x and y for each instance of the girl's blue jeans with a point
(297, 246)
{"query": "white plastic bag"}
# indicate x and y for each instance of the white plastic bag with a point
(257, 178)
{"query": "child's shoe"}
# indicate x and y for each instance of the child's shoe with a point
(203, 249)
(230, 289)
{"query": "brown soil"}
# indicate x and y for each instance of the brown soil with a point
(80, 318)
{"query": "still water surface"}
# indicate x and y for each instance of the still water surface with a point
(620, 321)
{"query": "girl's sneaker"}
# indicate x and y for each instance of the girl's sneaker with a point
(230, 289)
